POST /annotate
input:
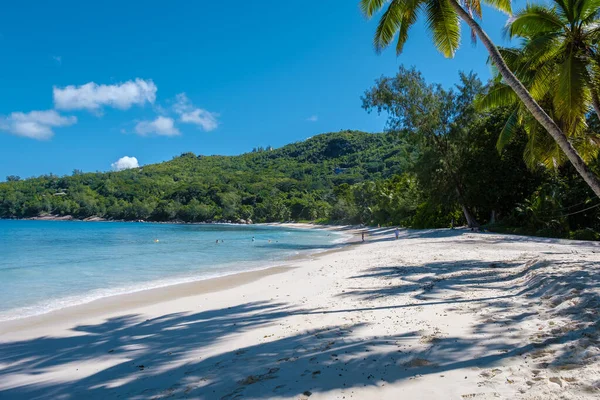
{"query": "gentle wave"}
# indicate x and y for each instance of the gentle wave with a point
(263, 255)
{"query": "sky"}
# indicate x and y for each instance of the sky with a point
(99, 86)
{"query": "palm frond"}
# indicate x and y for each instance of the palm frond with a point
(564, 9)
(534, 20)
(590, 12)
(371, 7)
(444, 24)
(542, 48)
(572, 95)
(508, 131)
(410, 17)
(542, 81)
(499, 95)
(501, 5)
(389, 24)
(541, 149)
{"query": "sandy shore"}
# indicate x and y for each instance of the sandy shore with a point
(445, 314)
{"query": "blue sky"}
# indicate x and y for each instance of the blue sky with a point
(153, 79)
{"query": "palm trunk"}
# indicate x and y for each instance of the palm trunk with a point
(534, 108)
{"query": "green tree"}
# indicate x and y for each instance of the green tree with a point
(541, 149)
(558, 63)
(443, 21)
(436, 119)
(561, 41)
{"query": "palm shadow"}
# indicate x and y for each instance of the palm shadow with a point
(178, 355)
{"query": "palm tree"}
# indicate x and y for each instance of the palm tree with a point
(540, 148)
(560, 42)
(443, 20)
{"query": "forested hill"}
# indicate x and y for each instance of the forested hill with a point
(296, 181)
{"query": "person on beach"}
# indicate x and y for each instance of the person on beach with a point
(363, 236)
(397, 233)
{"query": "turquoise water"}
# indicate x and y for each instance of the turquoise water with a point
(48, 265)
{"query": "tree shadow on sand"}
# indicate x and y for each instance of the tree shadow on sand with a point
(155, 358)
(563, 297)
(165, 357)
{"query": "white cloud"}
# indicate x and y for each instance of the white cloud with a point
(313, 118)
(35, 124)
(93, 97)
(162, 126)
(125, 163)
(190, 114)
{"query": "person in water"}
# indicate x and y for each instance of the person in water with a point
(397, 233)
(363, 236)
(253, 238)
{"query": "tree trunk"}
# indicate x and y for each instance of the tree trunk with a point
(471, 220)
(534, 108)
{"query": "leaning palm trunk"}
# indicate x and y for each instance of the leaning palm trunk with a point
(538, 113)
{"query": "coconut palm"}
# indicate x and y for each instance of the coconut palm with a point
(560, 41)
(540, 148)
(443, 20)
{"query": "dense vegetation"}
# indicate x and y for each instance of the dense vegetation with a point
(552, 79)
(293, 182)
(436, 165)
(518, 154)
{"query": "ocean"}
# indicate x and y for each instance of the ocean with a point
(49, 265)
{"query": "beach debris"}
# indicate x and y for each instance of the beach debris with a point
(252, 379)
(556, 380)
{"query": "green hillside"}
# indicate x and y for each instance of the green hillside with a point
(439, 165)
(292, 182)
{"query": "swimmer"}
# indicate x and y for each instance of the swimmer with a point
(253, 238)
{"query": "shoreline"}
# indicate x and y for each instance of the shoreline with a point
(437, 314)
(176, 290)
(118, 303)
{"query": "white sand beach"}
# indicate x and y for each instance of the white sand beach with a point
(439, 314)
